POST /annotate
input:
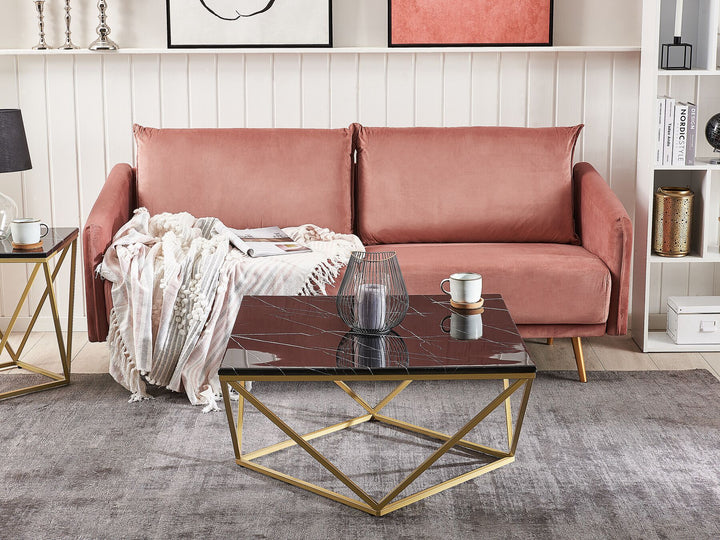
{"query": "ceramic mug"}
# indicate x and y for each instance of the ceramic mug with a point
(464, 326)
(465, 288)
(27, 230)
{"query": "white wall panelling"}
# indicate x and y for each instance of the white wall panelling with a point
(356, 23)
(79, 109)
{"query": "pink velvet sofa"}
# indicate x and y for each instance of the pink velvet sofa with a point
(504, 202)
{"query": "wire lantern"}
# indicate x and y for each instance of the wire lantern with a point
(372, 298)
(372, 351)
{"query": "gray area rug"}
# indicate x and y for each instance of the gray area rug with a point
(628, 455)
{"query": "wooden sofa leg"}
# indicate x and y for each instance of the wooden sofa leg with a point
(579, 358)
(549, 341)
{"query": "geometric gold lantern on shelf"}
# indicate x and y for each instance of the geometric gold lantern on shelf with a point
(672, 221)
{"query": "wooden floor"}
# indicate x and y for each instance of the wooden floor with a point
(603, 353)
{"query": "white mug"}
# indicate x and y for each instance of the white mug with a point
(27, 230)
(465, 288)
(464, 326)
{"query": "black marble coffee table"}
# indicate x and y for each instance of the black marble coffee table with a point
(303, 339)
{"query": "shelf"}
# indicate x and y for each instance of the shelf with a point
(656, 277)
(661, 342)
(336, 50)
(687, 72)
(686, 259)
(701, 164)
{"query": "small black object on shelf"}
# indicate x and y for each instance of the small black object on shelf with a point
(712, 134)
(676, 55)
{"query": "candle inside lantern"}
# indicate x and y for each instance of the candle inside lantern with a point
(370, 306)
(678, 17)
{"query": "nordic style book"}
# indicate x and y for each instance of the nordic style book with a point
(680, 128)
(676, 132)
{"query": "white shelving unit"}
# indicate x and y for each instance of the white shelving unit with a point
(696, 273)
(331, 50)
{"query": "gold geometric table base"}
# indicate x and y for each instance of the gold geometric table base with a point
(65, 349)
(388, 503)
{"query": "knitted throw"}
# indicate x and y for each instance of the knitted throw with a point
(177, 286)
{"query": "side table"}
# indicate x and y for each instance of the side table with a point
(56, 243)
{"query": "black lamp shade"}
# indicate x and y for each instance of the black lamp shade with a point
(14, 153)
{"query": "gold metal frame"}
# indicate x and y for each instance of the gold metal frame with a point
(64, 348)
(365, 502)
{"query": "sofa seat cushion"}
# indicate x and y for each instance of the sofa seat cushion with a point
(541, 283)
(465, 184)
(248, 177)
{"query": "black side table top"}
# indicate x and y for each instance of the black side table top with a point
(56, 239)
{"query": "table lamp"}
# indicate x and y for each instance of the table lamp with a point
(14, 156)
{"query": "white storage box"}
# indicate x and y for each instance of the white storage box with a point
(693, 320)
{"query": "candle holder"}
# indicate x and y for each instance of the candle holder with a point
(676, 55)
(40, 9)
(68, 45)
(372, 297)
(672, 221)
(103, 42)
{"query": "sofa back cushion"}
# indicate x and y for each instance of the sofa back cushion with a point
(466, 184)
(248, 177)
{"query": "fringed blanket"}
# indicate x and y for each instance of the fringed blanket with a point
(177, 286)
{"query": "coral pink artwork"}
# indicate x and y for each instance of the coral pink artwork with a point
(470, 22)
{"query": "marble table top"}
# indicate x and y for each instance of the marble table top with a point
(284, 335)
(56, 239)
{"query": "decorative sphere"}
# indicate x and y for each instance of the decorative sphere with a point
(712, 132)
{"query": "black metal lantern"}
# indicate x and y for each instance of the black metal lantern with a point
(372, 298)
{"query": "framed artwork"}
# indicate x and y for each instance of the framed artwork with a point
(462, 23)
(249, 23)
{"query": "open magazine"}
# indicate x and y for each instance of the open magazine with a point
(263, 242)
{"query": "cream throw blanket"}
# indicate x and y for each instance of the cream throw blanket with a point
(177, 286)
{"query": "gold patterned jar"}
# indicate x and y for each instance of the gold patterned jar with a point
(672, 221)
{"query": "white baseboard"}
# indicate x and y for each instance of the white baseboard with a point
(44, 324)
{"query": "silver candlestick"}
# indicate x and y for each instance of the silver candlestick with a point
(68, 45)
(103, 42)
(40, 8)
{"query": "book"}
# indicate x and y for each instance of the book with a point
(691, 134)
(668, 130)
(660, 116)
(263, 242)
(680, 133)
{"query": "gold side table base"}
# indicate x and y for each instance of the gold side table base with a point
(64, 347)
(365, 502)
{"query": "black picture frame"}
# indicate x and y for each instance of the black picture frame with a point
(547, 43)
(172, 45)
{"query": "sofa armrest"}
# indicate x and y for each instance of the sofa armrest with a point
(113, 208)
(605, 230)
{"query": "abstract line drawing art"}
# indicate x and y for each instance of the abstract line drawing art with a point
(238, 13)
(249, 23)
